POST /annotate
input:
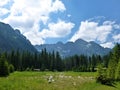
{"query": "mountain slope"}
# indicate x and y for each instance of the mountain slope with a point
(71, 48)
(11, 39)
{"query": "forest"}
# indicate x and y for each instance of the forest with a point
(52, 61)
(108, 66)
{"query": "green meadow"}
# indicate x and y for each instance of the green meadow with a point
(60, 81)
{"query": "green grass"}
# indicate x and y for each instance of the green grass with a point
(62, 81)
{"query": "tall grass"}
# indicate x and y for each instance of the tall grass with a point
(62, 81)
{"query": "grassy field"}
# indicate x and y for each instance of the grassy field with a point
(60, 81)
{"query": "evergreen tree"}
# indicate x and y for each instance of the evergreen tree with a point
(102, 77)
(59, 63)
(111, 69)
(106, 59)
(11, 68)
(4, 70)
(52, 64)
(117, 74)
(43, 67)
(93, 62)
(113, 63)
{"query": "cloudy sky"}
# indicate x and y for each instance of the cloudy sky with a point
(50, 21)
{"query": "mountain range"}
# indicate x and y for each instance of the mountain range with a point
(11, 39)
(75, 48)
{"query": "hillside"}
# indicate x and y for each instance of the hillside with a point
(11, 39)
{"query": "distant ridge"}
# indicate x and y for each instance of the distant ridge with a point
(75, 48)
(11, 39)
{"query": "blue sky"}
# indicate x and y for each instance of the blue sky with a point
(50, 21)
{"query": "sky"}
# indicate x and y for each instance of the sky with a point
(51, 21)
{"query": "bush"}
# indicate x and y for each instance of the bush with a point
(102, 76)
(4, 70)
(28, 69)
(104, 80)
(11, 68)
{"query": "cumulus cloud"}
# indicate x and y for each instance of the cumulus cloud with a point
(55, 30)
(27, 16)
(107, 45)
(69, 15)
(39, 10)
(117, 38)
(3, 11)
(93, 31)
(3, 2)
(61, 28)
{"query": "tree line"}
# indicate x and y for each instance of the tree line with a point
(53, 61)
(108, 66)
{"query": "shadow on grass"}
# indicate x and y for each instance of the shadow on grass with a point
(113, 84)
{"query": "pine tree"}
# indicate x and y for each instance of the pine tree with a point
(93, 62)
(111, 69)
(102, 77)
(113, 63)
(59, 63)
(4, 70)
(117, 74)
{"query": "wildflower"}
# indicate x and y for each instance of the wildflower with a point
(50, 79)
(74, 83)
(70, 76)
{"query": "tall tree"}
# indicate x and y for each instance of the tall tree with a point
(93, 62)
(117, 74)
(113, 63)
(59, 63)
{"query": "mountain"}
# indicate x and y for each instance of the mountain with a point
(11, 39)
(72, 48)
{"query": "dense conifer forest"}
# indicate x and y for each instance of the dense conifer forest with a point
(53, 61)
(108, 66)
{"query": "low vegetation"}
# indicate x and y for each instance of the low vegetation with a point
(61, 81)
(5, 68)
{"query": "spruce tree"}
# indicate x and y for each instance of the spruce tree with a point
(111, 69)
(102, 77)
(117, 74)
(4, 71)
(113, 63)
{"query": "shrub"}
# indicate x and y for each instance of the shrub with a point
(117, 74)
(104, 80)
(102, 76)
(4, 70)
(11, 68)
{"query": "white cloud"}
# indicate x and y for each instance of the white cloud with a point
(93, 31)
(58, 6)
(3, 11)
(107, 45)
(55, 30)
(69, 15)
(26, 16)
(108, 22)
(37, 10)
(61, 28)
(116, 38)
(3, 2)
(35, 37)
